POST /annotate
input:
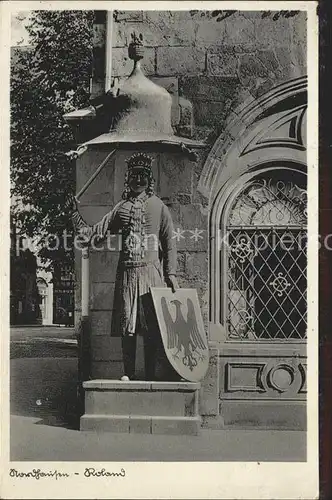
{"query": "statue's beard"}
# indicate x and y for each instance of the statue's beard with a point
(138, 187)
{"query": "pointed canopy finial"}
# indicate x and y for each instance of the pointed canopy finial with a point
(136, 47)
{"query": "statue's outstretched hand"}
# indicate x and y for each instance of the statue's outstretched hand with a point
(71, 203)
(172, 282)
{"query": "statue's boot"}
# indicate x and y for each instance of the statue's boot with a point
(129, 356)
(150, 356)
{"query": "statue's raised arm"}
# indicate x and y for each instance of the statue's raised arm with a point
(98, 230)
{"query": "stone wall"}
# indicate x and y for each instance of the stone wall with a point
(214, 64)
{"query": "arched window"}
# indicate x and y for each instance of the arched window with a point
(264, 259)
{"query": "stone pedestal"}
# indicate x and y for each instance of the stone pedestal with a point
(141, 407)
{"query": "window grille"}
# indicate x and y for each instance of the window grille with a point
(267, 263)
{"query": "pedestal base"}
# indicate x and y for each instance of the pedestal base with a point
(141, 407)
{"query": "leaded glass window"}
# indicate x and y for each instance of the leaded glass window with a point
(266, 262)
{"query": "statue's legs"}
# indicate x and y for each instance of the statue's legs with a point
(129, 355)
(156, 362)
(155, 359)
(151, 349)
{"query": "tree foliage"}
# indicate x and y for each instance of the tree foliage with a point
(48, 79)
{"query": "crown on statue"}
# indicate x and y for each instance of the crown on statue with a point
(140, 160)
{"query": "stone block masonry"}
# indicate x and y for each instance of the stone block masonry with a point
(102, 296)
(141, 407)
(159, 28)
(180, 60)
(252, 54)
(184, 43)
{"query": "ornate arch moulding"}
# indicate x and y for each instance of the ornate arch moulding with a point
(271, 128)
(261, 135)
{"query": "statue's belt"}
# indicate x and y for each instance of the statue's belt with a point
(138, 263)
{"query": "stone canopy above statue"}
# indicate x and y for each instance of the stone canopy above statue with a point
(140, 112)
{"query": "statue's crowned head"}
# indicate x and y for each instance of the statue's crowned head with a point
(139, 176)
(140, 161)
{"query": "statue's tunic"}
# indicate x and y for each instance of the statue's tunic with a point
(148, 253)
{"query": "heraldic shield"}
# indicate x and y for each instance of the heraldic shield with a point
(182, 331)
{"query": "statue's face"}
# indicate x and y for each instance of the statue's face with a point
(138, 181)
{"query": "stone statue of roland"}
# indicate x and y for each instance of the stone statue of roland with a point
(147, 258)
